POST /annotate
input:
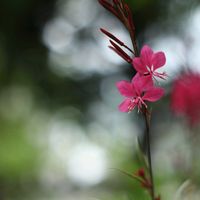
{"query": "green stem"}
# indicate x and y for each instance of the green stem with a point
(147, 122)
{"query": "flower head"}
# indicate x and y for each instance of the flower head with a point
(149, 62)
(185, 99)
(136, 92)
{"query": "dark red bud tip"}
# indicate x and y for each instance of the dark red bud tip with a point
(120, 52)
(141, 173)
(109, 7)
(115, 1)
(130, 17)
(110, 35)
(105, 4)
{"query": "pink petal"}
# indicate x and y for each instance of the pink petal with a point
(142, 83)
(139, 66)
(136, 78)
(146, 55)
(179, 102)
(125, 88)
(124, 106)
(158, 60)
(154, 94)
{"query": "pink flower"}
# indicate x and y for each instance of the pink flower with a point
(185, 99)
(149, 62)
(139, 90)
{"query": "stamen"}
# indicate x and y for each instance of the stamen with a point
(160, 75)
(131, 105)
(136, 101)
(152, 68)
(142, 102)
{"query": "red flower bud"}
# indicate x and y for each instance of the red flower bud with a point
(141, 173)
(110, 35)
(120, 52)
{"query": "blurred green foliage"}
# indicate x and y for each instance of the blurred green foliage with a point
(18, 155)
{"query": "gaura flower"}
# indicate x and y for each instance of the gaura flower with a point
(185, 97)
(136, 92)
(149, 62)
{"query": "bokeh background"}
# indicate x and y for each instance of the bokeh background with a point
(61, 135)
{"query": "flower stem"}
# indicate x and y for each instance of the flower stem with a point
(147, 122)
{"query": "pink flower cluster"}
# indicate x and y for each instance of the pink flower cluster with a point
(142, 88)
(185, 98)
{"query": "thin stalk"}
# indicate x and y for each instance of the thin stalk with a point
(147, 122)
(134, 43)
